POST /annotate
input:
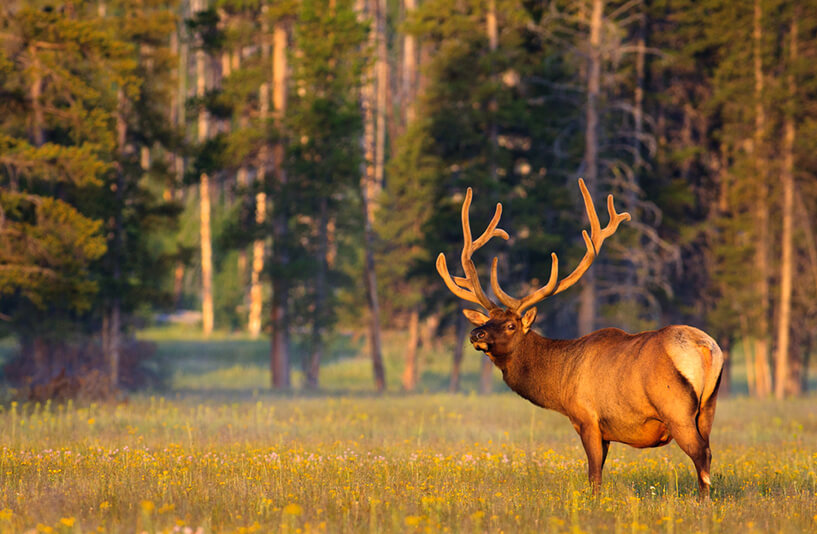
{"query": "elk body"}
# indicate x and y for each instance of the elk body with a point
(642, 389)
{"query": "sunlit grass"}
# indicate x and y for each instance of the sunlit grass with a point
(460, 463)
(217, 452)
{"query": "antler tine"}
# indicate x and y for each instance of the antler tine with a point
(469, 288)
(592, 242)
(597, 235)
(460, 292)
(521, 304)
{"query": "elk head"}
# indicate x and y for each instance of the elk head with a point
(499, 333)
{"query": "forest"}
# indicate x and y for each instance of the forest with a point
(291, 169)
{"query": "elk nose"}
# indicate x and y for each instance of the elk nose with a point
(477, 335)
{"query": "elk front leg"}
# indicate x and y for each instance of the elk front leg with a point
(596, 450)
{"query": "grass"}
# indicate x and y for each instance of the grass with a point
(218, 453)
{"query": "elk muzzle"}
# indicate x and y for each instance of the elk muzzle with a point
(479, 338)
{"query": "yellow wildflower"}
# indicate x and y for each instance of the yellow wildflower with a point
(293, 509)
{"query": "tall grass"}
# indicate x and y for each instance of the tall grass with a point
(219, 453)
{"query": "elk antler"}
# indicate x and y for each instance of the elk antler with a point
(468, 288)
(593, 243)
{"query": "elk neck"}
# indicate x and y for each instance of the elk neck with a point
(538, 370)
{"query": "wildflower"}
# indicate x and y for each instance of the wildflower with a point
(148, 506)
(68, 521)
(5, 514)
(293, 509)
(413, 520)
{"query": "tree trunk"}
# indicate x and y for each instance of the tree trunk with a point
(409, 66)
(486, 376)
(204, 198)
(382, 98)
(206, 255)
(587, 297)
(116, 248)
(256, 293)
(280, 285)
(762, 371)
(179, 120)
(410, 373)
(370, 188)
(456, 364)
(233, 64)
(371, 297)
(312, 366)
(782, 378)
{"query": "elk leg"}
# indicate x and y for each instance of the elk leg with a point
(697, 448)
(596, 450)
(706, 416)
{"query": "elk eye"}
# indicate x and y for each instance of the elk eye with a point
(511, 326)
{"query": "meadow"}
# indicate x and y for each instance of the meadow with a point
(217, 452)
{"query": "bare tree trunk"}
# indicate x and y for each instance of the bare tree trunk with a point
(115, 321)
(206, 255)
(280, 286)
(242, 182)
(231, 63)
(762, 371)
(179, 119)
(409, 66)
(204, 198)
(370, 188)
(486, 376)
(748, 347)
(258, 249)
(587, 297)
(410, 373)
(456, 364)
(371, 297)
(382, 66)
(312, 366)
(782, 378)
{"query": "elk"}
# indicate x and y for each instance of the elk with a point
(640, 389)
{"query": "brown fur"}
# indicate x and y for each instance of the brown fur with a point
(640, 389)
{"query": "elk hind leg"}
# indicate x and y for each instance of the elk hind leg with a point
(707, 413)
(697, 448)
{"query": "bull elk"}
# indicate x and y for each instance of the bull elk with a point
(640, 389)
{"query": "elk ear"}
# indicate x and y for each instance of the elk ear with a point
(528, 319)
(476, 318)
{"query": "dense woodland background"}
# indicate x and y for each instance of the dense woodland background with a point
(292, 168)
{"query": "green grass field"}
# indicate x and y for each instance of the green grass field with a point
(216, 452)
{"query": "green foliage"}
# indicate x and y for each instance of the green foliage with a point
(79, 213)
